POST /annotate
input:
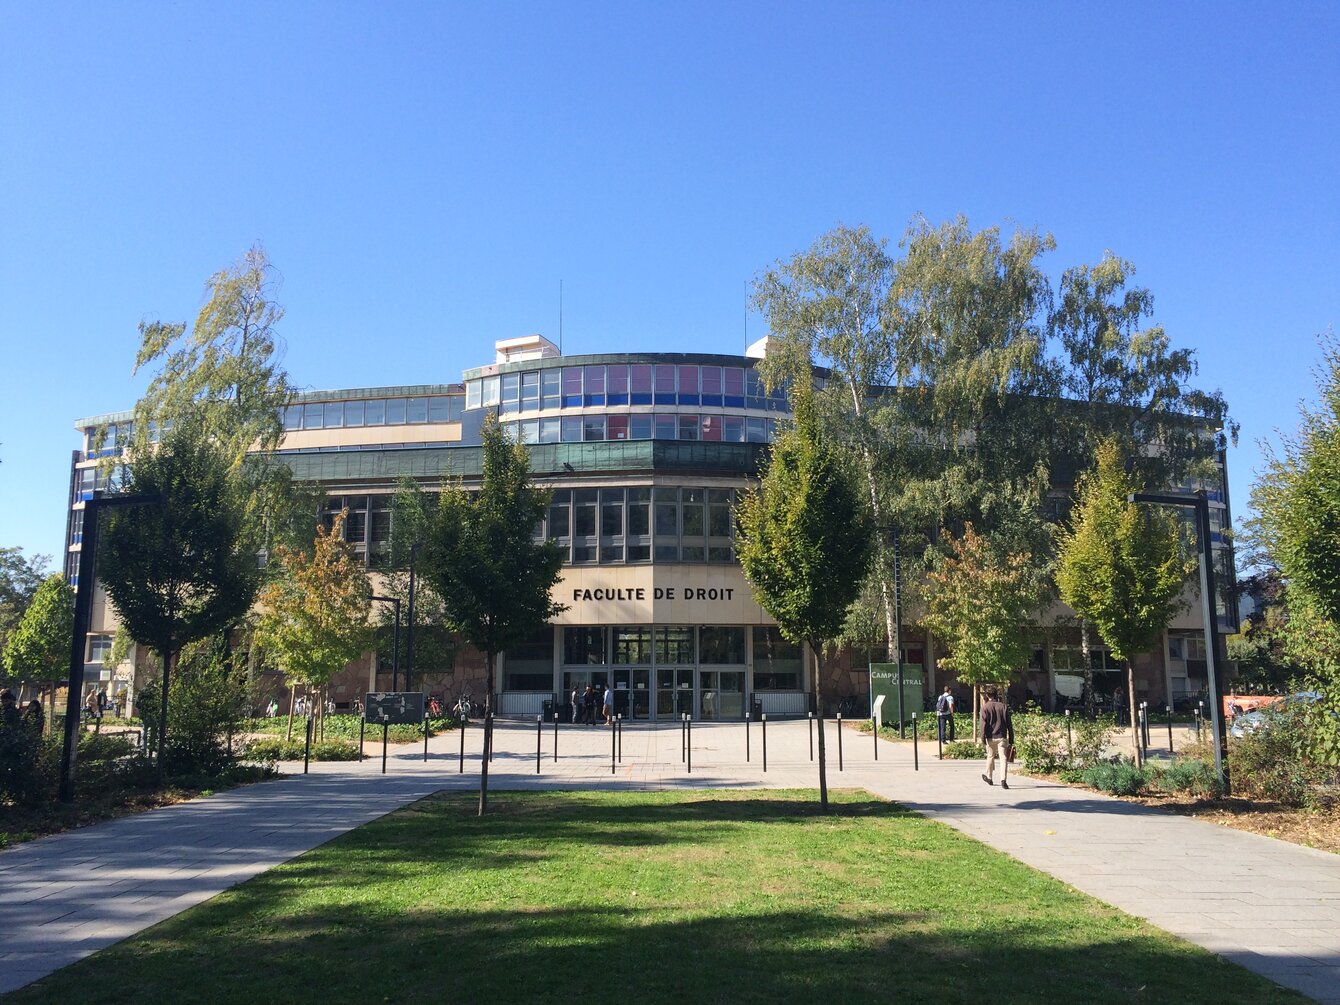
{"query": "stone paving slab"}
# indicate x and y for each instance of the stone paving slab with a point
(1268, 905)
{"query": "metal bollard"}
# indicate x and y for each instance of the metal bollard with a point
(1069, 738)
(618, 731)
(916, 762)
(688, 723)
(555, 737)
(874, 731)
(1195, 713)
(746, 738)
(839, 722)
(614, 734)
(939, 738)
(765, 742)
(307, 747)
(425, 738)
(462, 771)
(386, 729)
(811, 736)
(362, 725)
(539, 739)
(1170, 736)
(683, 736)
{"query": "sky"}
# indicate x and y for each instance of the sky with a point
(424, 175)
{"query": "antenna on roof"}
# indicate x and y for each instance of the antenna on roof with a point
(560, 317)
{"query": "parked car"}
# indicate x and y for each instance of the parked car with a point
(1250, 722)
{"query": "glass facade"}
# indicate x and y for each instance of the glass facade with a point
(374, 412)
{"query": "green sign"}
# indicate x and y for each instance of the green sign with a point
(884, 681)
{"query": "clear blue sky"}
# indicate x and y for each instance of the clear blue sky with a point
(424, 174)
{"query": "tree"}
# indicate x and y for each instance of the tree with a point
(978, 601)
(805, 543)
(481, 559)
(19, 579)
(39, 648)
(1122, 566)
(178, 570)
(314, 616)
(225, 374)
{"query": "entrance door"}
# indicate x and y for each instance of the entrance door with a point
(721, 695)
(674, 691)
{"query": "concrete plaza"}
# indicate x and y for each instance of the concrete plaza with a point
(1271, 906)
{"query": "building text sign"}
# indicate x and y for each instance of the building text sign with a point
(640, 595)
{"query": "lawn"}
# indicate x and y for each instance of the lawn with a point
(654, 897)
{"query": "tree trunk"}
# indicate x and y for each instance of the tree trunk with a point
(818, 701)
(1090, 704)
(292, 701)
(488, 736)
(1135, 728)
(166, 657)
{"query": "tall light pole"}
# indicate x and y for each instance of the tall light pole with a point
(83, 607)
(395, 644)
(409, 640)
(1199, 502)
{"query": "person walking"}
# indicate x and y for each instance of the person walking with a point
(944, 713)
(998, 731)
(608, 703)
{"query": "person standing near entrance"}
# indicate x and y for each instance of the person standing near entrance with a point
(998, 731)
(944, 712)
(609, 705)
(575, 714)
(589, 705)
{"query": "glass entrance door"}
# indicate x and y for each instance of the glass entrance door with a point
(721, 695)
(674, 691)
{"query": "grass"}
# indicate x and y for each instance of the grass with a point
(654, 897)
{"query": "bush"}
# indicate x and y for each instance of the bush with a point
(1273, 763)
(964, 750)
(1190, 775)
(207, 706)
(29, 764)
(346, 727)
(1120, 778)
(267, 751)
(1042, 746)
(104, 747)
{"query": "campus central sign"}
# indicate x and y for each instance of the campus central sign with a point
(633, 595)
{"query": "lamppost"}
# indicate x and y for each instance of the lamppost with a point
(409, 639)
(395, 643)
(1199, 502)
(83, 607)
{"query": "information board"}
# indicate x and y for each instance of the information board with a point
(392, 708)
(884, 681)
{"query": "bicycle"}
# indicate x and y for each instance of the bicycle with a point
(464, 708)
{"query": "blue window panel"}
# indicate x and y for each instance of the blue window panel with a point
(572, 429)
(572, 387)
(664, 384)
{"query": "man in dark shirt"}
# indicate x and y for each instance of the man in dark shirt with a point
(998, 731)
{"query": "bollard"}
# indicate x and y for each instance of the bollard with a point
(839, 722)
(939, 738)
(746, 738)
(614, 734)
(688, 724)
(874, 731)
(462, 771)
(1144, 705)
(683, 736)
(1195, 713)
(555, 737)
(765, 742)
(386, 729)
(1170, 738)
(811, 736)
(425, 738)
(488, 735)
(307, 747)
(1069, 738)
(618, 731)
(539, 739)
(916, 763)
(362, 725)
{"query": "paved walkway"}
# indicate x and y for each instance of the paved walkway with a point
(1271, 906)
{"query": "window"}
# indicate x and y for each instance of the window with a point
(374, 412)
(674, 645)
(611, 525)
(733, 429)
(550, 393)
(312, 415)
(530, 391)
(593, 427)
(584, 502)
(595, 385)
(639, 526)
(572, 387)
(667, 524)
(511, 393)
(529, 666)
(395, 411)
(632, 645)
(711, 381)
(560, 514)
(639, 427)
(664, 384)
(416, 410)
(583, 646)
(293, 417)
(666, 427)
(473, 397)
(617, 386)
(550, 430)
(530, 431)
(688, 427)
(721, 645)
(777, 662)
(618, 427)
(572, 429)
(334, 414)
(354, 413)
(490, 391)
(756, 430)
(455, 406)
(733, 379)
(755, 397)
(711, 427)
(688, 385)
(639, 381)
(99, 648)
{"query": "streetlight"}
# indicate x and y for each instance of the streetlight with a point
(83, 607)
(395, 644)
(1200, 503)
(409, 641)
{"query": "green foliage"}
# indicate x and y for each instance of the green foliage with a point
(804, 538)
(104, 747)
(268, 751)
(207, 708)
(1120, 778)
(29, 764)
(978, 602)
(1189, 775)
(19, 579)
(480, 557)
(314, 610)
(1041, 741)
(39, 647)
(347, 727)
(964, 750)
(1275, 762)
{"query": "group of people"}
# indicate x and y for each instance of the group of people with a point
(586, 703)
(11, 717)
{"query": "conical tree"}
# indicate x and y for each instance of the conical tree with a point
(39, 648)
(805, 543)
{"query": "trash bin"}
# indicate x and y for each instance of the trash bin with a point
(548, 709)
(756, 711)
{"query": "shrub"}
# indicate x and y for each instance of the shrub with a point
(964, 750)
(268, 750)
(29, 764)
(104, 747)
(1091, 738)
(1272, 763)
(1039, 741)
(207, 705)
(1121, 778)
(1190, 775)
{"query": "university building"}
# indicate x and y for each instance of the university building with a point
(644, 454)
